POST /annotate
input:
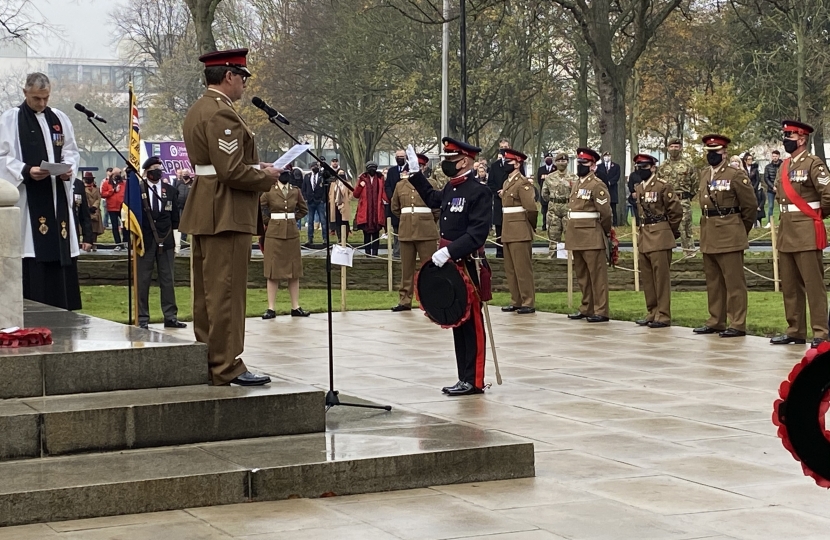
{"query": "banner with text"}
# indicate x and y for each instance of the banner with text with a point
(173, 155)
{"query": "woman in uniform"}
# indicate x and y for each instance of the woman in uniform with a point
(282, 207)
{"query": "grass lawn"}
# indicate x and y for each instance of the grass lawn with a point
(765, 317)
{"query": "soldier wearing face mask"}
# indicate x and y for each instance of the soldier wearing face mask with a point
(658, 228)
(728, 207)
(681, 174)
(160, 217)
(589, 226)
(801, 188)
(556, 191)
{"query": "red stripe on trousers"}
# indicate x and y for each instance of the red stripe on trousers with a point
(480, 347)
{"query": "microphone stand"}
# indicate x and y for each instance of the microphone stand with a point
(129, 232)
(332, 397)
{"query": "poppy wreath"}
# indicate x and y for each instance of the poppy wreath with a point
(472, 295)
(26, 337)
(804, 399)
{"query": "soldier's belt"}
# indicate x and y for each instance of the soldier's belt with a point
(685, 195)
(722, 211)
(416, 210)
(512, 209)
(793, 208)
(583, 215)
(283, 215)
(208, 170)
(656, 219)
(558, 200)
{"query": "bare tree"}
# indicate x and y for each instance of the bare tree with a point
(21, 20)
(204, 13)
(153, 27)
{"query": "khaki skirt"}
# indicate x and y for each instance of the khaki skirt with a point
(282, 259)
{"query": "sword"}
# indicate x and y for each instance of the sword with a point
(489, 325)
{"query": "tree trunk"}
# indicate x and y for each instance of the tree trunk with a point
(582, 100)
(818, 139)
(633, 124)
(801, 70)
(203, 13)
(612, 119)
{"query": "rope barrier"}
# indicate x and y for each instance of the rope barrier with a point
(761, 276)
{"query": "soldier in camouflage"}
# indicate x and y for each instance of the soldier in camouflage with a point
(556, 191)
(682, 176)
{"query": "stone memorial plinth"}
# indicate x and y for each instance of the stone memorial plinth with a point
(11, 263)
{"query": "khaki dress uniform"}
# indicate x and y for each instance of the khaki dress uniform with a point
(589, 222)
(800, 261)
(282, 208)
(684, 179)
(660, 215)
(417, 233)
(728, 205)
(221, 214)
(520, 214)
(556, 190)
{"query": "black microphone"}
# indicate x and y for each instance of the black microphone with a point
(272, 113)
(90, 114)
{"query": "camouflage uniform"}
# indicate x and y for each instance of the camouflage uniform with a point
(556, 190)
(682, 176)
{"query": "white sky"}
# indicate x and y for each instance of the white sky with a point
(83, 28)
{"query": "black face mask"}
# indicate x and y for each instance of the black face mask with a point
(645, 174)
(372, 170)
(790, 146)
(449, 168)
(548, 161)
(509, 168)
(400, 161)
(582, 170)
(315, 170)
(713, 158)
(154, 175)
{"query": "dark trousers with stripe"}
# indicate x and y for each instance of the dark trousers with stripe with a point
(470, 341)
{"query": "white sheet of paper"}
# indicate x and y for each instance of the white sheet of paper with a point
(342, 256)
(293, 153)
(55, 169)
(561, 252)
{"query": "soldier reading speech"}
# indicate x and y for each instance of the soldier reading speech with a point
(222, 214)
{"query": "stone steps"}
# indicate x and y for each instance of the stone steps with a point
(264, 469)
(107, 421)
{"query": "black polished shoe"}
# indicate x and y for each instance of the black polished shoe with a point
(706, 330)
(143, 326)
(300, 312)
(249, 379)
(464, 389)
(509, 309)
(597, 318)
(642, 322)
(732, 332)
(269, 314)
(658, 324)
(816, 342)
(526, 310)
(401, 307)
(786, 340)
(174, 323)
(576, 316)
(447, 389)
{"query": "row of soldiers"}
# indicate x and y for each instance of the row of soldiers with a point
(728, 206)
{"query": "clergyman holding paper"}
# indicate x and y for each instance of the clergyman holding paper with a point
(30, 135)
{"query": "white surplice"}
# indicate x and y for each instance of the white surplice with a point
(11, 169)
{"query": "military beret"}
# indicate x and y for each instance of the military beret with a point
(714, 141)
(794, 126)
(422, 159)
(587, 154)
(150, 161)
(675, 140)
(548, 154)
(515, 155)
(371, 164)
(237, 58)
(88, 175)
(453, 147)
(561, 155)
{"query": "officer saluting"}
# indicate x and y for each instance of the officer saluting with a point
(518, 224)
(728, 206)
(802, 191)
(660, 213)
(466, 214)
(221, 214)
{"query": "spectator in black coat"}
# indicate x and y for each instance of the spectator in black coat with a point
(770, 172)
(393, 176)
(547, 168)
(751, 170)
(495, 181)
(183, 185)
(609, 172)
(314, 192)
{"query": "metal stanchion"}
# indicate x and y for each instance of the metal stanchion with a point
(343, 272)
(570, 279)
(389, 251)
(636, 256)
(774, 236)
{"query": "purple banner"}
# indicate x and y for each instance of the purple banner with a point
(173, 155)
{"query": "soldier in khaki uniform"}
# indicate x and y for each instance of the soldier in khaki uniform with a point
(681, 174)
(801, 188)
(221, 214)
(556, 190)
(659, 222)
(518, 197)
(728, 206)
(417, 232)
(589, 225)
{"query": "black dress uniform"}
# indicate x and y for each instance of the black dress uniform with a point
(466, 216)
(496, 175)
(81, 210)
(159, 249)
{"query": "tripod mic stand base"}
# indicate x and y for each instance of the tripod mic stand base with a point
(332, 400)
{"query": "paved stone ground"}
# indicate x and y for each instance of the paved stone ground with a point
(639, 434)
